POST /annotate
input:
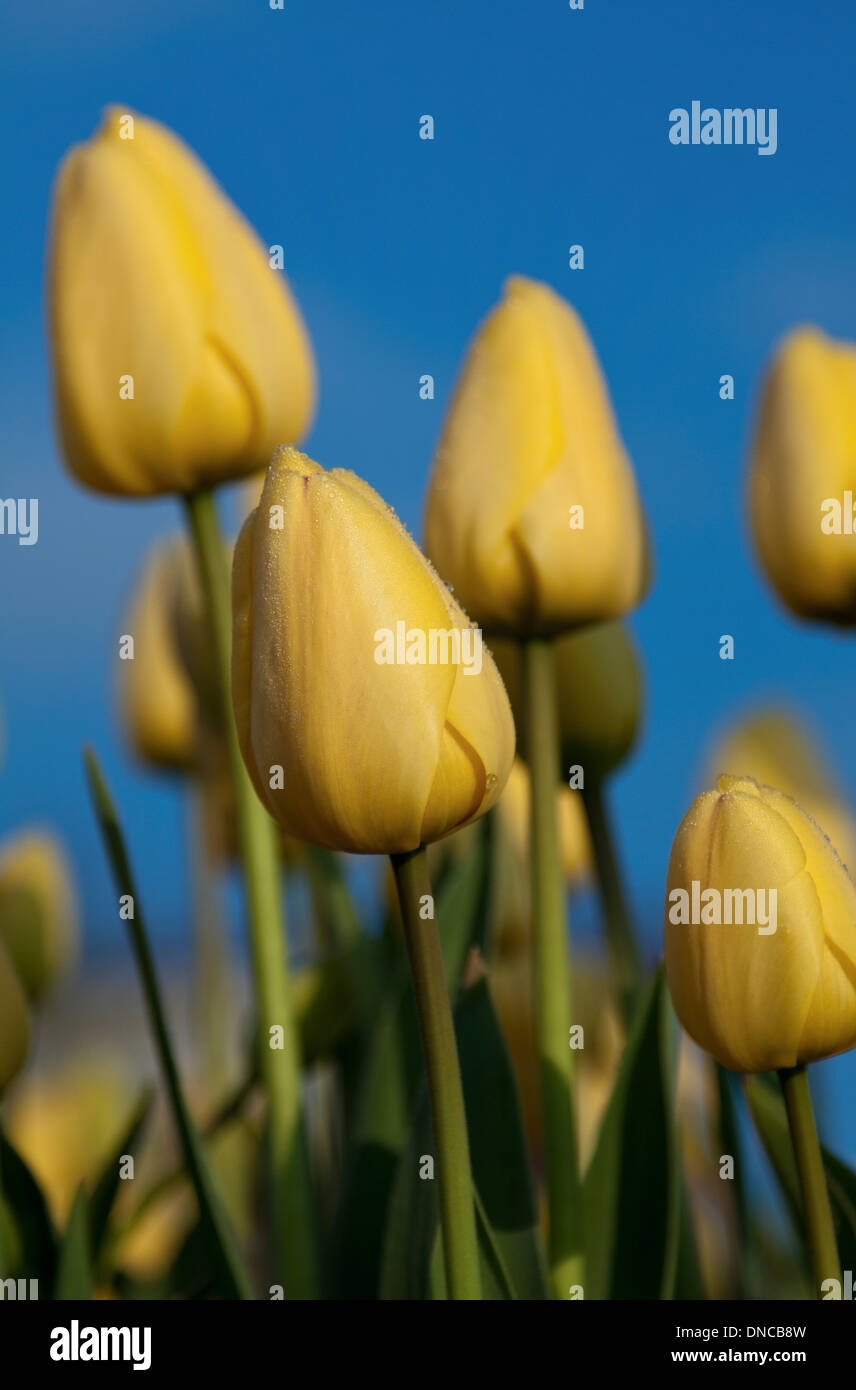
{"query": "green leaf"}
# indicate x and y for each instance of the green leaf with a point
(359, 960)
(413, 1220)
(230, 1109)
(495, 1274)
(496, 1283)
(35, 1239)
(391, 1078)
(688, 1277)
(498, 1151)
(632, 1186)
(513, 1264)
(767, 1107)
(190, 1274)
(462, 908)
(74, 1270)
(225, 1257)
(325, 1007)
(107, 1185)
(748, 1278)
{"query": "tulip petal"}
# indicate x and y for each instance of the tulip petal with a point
(159, 287)
(531, 435)
(504, 425)
(480, 727)
(805, 454)
(158, 703)
(599, 568)
(381, 740)
(723, 977)
(830, 1026)
(251, 317)
(359, 741)
(15, 1017)
(836, 889)
(112, 244)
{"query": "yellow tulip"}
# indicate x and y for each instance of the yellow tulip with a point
(157, 697)
(180, 357)
(803, 477)
(14, 1022)
(248, 496)
(532, 511)
(512, 814)
(511, 984)
(66, 1124)
(348, 747)
(167, 694)
(772, 982)
(776, 750)
(512, 856)
(599, 691)
(38, 912)
(511, 896)
(151, 1246)
(148, 1248)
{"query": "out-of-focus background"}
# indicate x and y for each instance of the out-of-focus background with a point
(551, 128)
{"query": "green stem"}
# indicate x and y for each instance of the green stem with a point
(212, 975)
(552, 971)
(222, 1244)
(460, 1246)
(625, 963)
(293, 1223)
(815, 1195)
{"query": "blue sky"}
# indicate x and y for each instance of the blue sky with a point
(551, 129)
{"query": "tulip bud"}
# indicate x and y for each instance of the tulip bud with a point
(38, 917)
(167, 692)
(803, 477)
(532, 510)
(777, 751)
(511, 891)
(180, 357)
(355, 738)
(512, 991)
(14, 1022)
(599, 693)
(66, 1124)
(760, 931)
(159, 704)
(512, 856)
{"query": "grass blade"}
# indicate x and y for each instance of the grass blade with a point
(222, 1245)
(74, 1272)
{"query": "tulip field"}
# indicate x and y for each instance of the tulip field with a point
(421, 1029)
